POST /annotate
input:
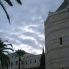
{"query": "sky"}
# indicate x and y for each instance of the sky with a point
(26, 31)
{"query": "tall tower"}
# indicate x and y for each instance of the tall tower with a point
(57, 38)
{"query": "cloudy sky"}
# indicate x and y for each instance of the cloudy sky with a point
(26, 31)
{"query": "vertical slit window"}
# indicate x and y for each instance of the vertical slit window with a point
(16, 62)
(60, 40)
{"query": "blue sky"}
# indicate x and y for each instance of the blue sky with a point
(26, 31)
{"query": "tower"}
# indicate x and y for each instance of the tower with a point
(57, 38)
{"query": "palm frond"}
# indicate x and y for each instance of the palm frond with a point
(19, 1)
(9, 2)
(5, 40)
(6, 52)
(20, 53)
(8, 49)
(9, 45)
(5, 11)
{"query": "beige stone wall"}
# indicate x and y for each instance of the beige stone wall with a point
(31, 61)
(56, 26)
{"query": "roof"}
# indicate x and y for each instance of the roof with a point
(64, 5)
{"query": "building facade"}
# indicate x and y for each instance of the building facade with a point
(28, 61)
(31, 61)
(57, 38)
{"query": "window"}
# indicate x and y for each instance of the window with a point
(30, 62)
(62, 68)
(27, 56)
(60, 40)
(11, 64)
(35, 60)
(22, 62)
(12, 56)
(26, 62)
(16, 62)
(39, 60)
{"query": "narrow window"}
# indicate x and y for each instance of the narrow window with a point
(16, 62)
(35, 60)
(11, 64)
(22, 62)
(26, 62)
(12, 56)
(30, 62)
(60, 40)
(62, 68)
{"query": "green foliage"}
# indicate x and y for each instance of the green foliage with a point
(5, 61)
(4, 48)
(19, 53)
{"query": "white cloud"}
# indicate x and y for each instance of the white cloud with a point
(28, 49)
(27, 29)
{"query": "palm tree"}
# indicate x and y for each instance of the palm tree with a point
(5, 61)
(10, 4)
(20, 53)
(4, 53)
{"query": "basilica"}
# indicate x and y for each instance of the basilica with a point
(57, 38)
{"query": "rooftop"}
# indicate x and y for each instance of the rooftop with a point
(64, 5)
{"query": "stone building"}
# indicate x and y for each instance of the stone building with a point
(28, 61)
(57, 38)
(31, 61)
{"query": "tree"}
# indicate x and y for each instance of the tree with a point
(5, 61)
(42, 60)
(4, 53)
(19, 53)
(10, 4)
